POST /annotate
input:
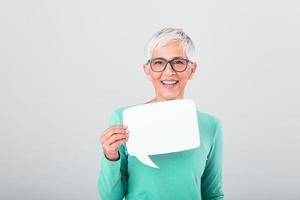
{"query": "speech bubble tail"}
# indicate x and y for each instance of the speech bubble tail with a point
(147, 161)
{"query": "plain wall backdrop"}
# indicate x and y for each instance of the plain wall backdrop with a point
(66, 65)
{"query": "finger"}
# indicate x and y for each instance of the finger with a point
(117, 136)
(116, 144)
(111, 130)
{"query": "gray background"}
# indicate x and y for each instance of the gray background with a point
(66, 65)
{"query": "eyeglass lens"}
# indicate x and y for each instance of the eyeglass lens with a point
(178, 64)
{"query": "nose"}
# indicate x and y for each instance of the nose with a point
(169, 69)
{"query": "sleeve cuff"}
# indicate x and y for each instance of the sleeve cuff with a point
(111, 164)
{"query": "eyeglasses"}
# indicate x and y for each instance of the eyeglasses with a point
(177, 64)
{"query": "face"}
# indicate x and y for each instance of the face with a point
(169, 91)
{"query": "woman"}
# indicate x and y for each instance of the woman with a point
(186, 175)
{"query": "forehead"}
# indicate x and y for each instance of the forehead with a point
(169, 51)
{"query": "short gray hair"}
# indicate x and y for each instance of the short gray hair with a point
(167, 35)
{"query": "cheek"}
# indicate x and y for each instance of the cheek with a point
(155, 77)
(181, 84)
(184, 78)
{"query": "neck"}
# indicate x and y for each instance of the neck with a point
(159, 99)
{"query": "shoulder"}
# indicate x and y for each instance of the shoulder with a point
(119, 110)
(117, 114)
(209, 124)
(208, 118)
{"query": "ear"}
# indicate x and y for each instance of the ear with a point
(147, 71)
(192, 70)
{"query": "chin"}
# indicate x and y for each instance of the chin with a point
(169, 97)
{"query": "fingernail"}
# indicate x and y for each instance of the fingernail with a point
(124, 126)
(127, 131)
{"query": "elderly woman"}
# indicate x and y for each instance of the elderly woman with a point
(189, 175)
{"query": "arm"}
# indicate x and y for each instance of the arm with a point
(112, 180)
(211, 180)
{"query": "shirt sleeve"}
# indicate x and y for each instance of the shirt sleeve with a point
(112, 180)
(211, 180)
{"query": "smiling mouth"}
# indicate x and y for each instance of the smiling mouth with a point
(169, 84)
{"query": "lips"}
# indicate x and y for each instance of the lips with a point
(169, 82)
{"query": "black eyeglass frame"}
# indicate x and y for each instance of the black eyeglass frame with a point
(169, 61)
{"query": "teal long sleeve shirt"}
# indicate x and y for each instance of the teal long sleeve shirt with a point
(194, 174)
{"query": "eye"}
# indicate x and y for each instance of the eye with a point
(158, 62)
(180, 62)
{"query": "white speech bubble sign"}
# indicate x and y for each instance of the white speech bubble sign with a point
(161, 127)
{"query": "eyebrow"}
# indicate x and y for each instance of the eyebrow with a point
(171, 58)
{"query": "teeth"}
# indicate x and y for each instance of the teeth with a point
(169, 82)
